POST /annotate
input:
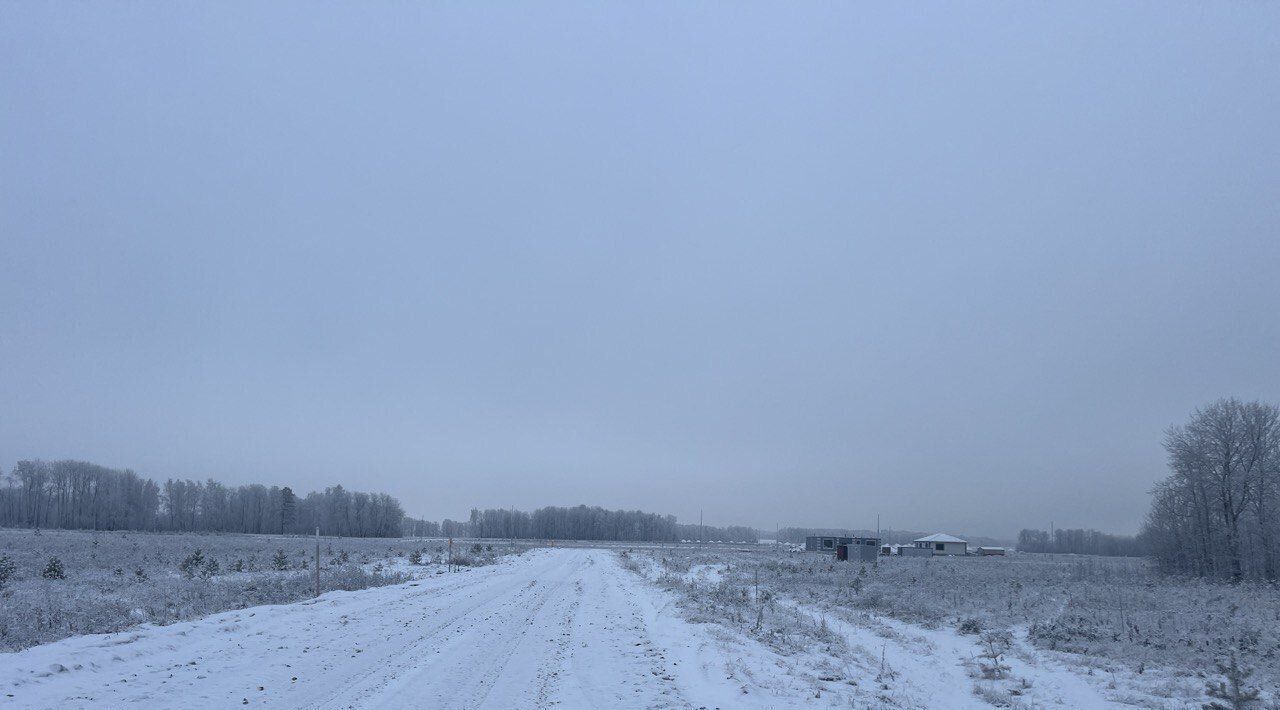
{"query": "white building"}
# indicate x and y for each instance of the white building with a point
(943, 544)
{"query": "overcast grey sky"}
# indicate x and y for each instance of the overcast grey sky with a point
(801, 263)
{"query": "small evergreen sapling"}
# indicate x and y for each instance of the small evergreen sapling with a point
(1233, 691)
(280, 561)
(995, 645)
(192, 564)
(210, 568)
(54, 570)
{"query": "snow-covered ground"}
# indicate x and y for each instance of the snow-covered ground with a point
(1024, 631)
(567, 627)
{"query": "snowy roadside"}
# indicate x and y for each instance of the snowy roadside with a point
(68, 583)
(921, 667)
(822, 636)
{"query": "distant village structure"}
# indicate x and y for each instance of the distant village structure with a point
(869, 548)
(859, 549)
(943, 544)
(825, 543)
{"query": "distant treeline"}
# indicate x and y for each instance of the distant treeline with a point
(578, 523)
(77, 495)
(1082, 542)
(86, 496)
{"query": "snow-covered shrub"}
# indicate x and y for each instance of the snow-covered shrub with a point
(192, 563)
(970, 625)
(352, 577)
(7, 569)
(210, 568)
(462, 559)
(995, 644)
(1233, 691)
(54, 570)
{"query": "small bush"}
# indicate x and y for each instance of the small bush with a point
(54, 570)
(280, 561)
(1233, 691)
(192, 564)
(465, 560)
(970, 626)
(7, 569)
(995, 645)
(210, 568)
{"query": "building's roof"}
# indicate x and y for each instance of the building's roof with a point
(990, 547)
(941, 537)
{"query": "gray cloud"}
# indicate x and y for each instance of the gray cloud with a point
(797, 265)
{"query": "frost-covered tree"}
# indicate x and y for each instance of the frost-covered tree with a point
(80, 495)
(288, 509)
(1215, 515)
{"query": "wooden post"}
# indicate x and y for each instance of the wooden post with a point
(317, 560)
(879, 543)
(450, 554)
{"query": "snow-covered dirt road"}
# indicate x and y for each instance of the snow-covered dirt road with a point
(566, 627)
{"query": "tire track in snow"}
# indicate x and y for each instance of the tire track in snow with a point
(549, 675)
(564, 627)
(392, 684)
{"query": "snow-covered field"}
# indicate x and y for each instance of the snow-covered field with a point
(1068, 631)
(578, 627)
(110, 581)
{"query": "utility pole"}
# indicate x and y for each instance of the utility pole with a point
(702, 530)
(317, 560)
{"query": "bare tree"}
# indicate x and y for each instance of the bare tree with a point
(1221, 493)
